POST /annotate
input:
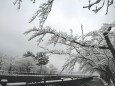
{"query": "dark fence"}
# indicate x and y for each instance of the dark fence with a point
(76, 82)
(28, 78)
(43, 80)
(13, 77)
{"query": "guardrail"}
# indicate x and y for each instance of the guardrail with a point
(76, 82)
(42, 80)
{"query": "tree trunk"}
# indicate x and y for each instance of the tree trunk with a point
(111, 48)
(111, 76)
(40, 69)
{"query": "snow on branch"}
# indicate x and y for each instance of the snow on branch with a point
(70, 54)
(43, 12)
(69, 65)
(109, 3)
(59, 37)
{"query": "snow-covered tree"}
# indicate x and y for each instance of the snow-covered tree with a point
(102, 60)
(24, 65)
(1, 60)
(6, 62)
(41, 58)
(95, 50)
(91, 49)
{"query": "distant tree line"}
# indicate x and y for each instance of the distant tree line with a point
(24, 65)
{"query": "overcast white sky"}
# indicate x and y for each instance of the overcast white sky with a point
(65, 15)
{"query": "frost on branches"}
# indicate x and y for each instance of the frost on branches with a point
(42, 12)
(91, 50)
(95, 51)
(45, 8)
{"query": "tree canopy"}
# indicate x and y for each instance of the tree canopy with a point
(41, 58)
